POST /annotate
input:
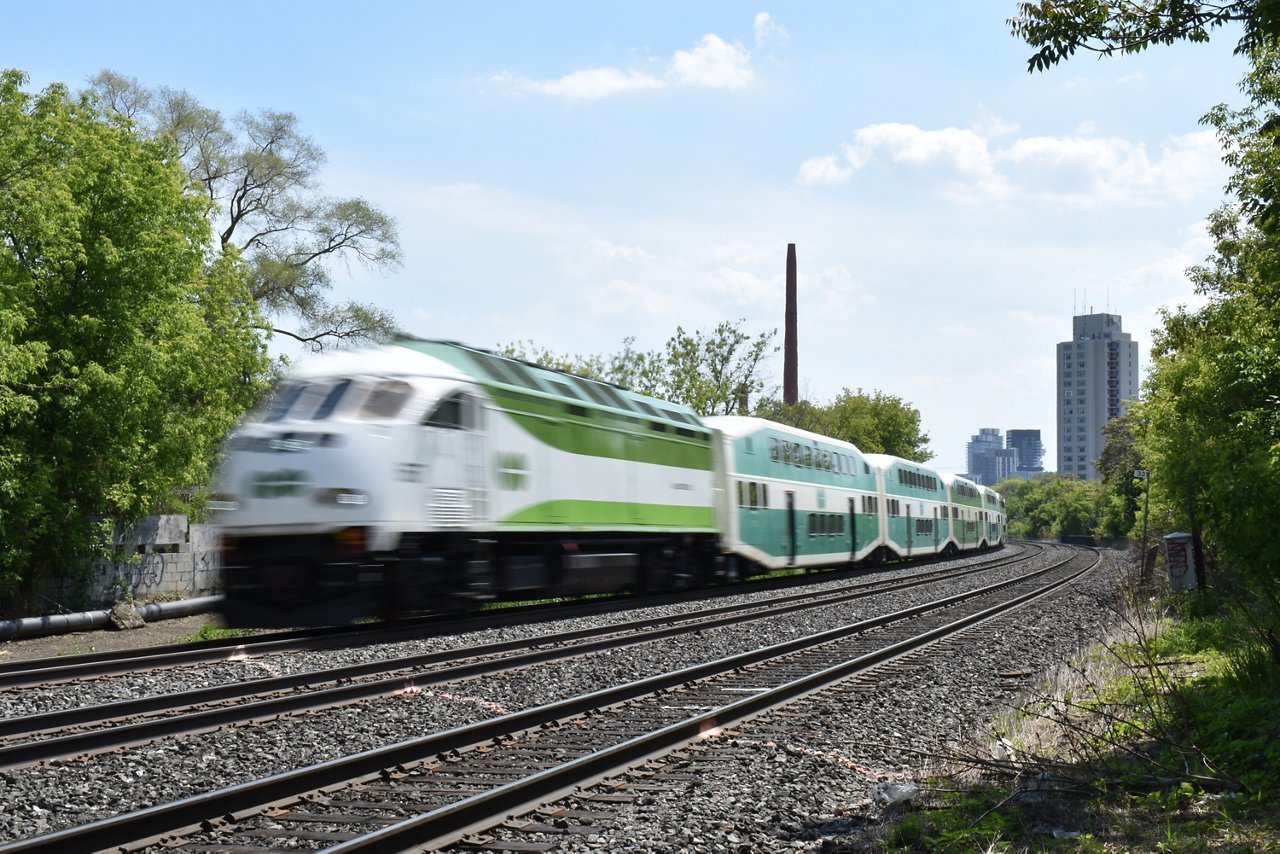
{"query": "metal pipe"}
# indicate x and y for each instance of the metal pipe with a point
(56, 624)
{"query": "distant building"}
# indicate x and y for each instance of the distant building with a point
(1097, 380)
(989, 461)
(1030, 451)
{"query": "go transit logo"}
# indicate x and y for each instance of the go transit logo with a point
(513, 470)
(279, 484)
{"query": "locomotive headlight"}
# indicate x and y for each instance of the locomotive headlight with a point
(342, 497)
(221, 502)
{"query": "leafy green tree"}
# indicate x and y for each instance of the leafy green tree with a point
(716, 373)
(1213, 395)
(877, 423)
(711, 372)
(1051, 506)
(260, 174)
(806, 415)
(1058, 28)
(127, 350)
(1121, 457)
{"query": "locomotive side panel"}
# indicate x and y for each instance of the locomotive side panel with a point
(466, 486)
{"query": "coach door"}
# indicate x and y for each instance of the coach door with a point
(791, 529)
(853, 529)
(910, 528)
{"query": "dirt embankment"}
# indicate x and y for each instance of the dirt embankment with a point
(157, 633)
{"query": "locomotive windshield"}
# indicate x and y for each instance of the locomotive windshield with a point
(386, 400)
(316, 400)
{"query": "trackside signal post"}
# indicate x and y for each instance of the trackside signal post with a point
(1143, 474)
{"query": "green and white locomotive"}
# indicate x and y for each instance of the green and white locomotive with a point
(427, 474)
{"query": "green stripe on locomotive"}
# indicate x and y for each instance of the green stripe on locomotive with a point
(613, 514)
(580, 415)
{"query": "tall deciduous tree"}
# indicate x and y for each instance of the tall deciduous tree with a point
(261, 174)
(717, 373)
(1213, 395)
(127, 349)
(1212, 400)
(876, 423)
(1051, 506)
(1121, 457)
(710, 372)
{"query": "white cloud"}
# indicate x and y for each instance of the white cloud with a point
(1080, 171)
(964, 148)
(617, 252)
(629, 299)
(767, 30)
(712, 63)
(826, 170)
(590, 84)
(1111, 170)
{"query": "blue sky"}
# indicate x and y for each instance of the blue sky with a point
(574, 173)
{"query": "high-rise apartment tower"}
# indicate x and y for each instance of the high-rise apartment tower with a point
(989, 460)
(1097, 380)
(1030, 450)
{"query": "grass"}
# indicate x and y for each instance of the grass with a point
(210, 631)
(1167, 740)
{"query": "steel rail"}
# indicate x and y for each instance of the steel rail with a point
(161, 823)
(98, 664)
(549, 648)
(477, 813)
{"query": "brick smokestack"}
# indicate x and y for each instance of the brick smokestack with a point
(790, 393)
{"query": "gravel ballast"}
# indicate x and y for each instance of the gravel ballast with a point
(799, 776)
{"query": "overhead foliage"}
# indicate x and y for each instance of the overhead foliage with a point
(712, 372)
(720, 373)
(260, 174)
(1213, 395)
(127, 350)
(1121, 457)
(1059, 28)
(876, 423)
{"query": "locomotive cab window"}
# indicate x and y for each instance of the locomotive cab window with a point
(448, 414)
(386, 400)
(284, 401)
(330, 402)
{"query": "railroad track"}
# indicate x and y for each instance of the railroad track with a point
(79, 730)
(97, 665)
(439, 789)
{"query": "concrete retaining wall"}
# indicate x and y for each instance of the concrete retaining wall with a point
(175, 560)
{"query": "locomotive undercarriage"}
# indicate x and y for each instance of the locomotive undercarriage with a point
(313, 580)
